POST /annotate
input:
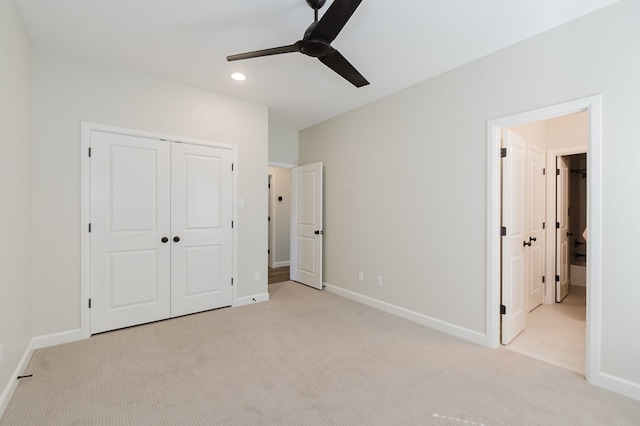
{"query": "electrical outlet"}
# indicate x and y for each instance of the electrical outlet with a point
(360, 276)
(379, 281)
(257, 275)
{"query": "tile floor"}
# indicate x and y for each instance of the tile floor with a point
(556, 333)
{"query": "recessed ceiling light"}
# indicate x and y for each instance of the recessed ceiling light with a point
(238, 76)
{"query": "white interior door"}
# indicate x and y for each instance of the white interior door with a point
(130, 204)
(537, 216)
(514, 265)
(201, 201)
(306, 225)
(562, 229)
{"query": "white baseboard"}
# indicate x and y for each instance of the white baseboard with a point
(58, 338)
(617, 384)
(281, 264)
(250, 300)
(10, 388)
(445, 327)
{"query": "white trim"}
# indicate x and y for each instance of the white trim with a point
(616, 384)
(10, 388)
(281, 264)
(271, 223)
(592, 105)
(85, 208)
(58, 338)
(250, 300)
(282, 165)
(452, 329)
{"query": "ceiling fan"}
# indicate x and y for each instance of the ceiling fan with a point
(317, 39)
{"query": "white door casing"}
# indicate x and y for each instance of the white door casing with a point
(306, 225)
(537, 216)
(130, 214)
(145, 192)
(514, 219)
(562, 228)
(201, 215)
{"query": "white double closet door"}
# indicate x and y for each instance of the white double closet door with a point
(161, 230)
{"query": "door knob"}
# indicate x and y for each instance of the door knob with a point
(176, 239)
(164, 239)
(318, 232)
(524, 244)
(532, 239)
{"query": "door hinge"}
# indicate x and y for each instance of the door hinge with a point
(544, 170)
(557, 172)
(503, 152)
(89, 227)
(89, 303)
(268, 251)
(544, 225)
(503, 310)
(543, 279)
(231, 224)
(503, 231)
(557, 278)
(557, 225)
(231, 166)
(89, 151)
(269, 185)
(231, 281)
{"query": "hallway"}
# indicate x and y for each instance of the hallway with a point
(556, 333)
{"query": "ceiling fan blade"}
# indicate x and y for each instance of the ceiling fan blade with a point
(266, 52)
(339, 64)
(334, 19)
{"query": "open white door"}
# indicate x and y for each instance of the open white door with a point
(562, 229)
(130, 218)
(537, 216)
(514, 267)
(306, 225)
(201, 202)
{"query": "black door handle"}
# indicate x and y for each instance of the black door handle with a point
(524, 244)
(176, 239)
(319, 232)
(165, 239)
(532, 239)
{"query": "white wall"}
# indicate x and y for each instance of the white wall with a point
(283, 145)
(15, 191)
(405, 177)
(568, 131)
(280, 216)
(67, 91)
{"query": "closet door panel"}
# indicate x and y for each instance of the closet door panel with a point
(130, 207)
(201, 228)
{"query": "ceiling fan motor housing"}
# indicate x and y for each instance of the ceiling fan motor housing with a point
(316, 48)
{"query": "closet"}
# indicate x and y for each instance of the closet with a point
(160, 231)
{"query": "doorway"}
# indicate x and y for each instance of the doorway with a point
(592, 107)
(554, 331)
(279, 223)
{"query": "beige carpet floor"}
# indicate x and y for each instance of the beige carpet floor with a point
(306, 357)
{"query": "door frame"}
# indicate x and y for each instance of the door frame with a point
(85, 207)
(593, 106)
(551, 255)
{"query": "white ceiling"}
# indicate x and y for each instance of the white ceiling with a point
(393, 43)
